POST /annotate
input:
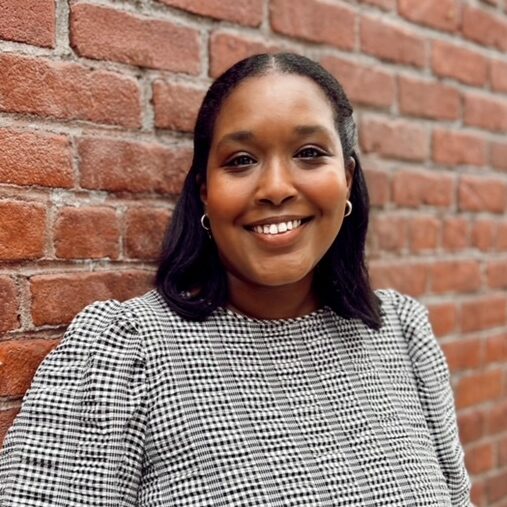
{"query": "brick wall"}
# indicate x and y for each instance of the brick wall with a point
(97, 101)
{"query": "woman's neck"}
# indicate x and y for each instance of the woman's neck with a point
(262, 302)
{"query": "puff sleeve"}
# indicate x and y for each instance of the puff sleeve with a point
(78, 439)
(436, 397)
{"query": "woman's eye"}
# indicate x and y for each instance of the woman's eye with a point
(310, 153)
(240, 161)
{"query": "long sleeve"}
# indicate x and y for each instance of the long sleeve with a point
(436, 397)
(78, 439)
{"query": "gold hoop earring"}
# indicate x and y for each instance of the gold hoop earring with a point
(348, 208)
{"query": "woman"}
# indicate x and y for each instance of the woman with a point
(263, 370)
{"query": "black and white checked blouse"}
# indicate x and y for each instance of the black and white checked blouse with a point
(138, 407)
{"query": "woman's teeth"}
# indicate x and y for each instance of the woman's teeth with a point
(277, 228)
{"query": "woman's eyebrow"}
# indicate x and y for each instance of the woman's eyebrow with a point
(306, 130)
(239, 136)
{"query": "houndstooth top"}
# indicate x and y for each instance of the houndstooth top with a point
(138, 407)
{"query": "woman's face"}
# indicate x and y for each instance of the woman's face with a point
(276, 184)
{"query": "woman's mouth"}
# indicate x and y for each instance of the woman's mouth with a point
(279, 227)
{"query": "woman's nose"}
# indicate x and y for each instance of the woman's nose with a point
(275, 184)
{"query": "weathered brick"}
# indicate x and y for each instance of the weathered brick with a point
(440, 14)
(416, 188)
(389, 42)
(22, 230)
(484, 232)
(6, 419)
(145, 228)
(463, 354)
(109, 34)
(57, 298)
(443, 318)
(68, 91)
(389, 232)
(226, 49)
(244, 12)
(499, 155)
(407, 277)
(479, 193)
(423, 233)
(19, 360)
(378, 184)
(459, 276)
(125, 166)
(471, 426)
(479, 388)
(30, 158)
(394, 138)
(501, 237)
(9, 313)
(459, 63)
(485, 28)
(483, 313)
(30, 21)
(486, 112)
(497, 274)
(480, 458)
(498, 75)
(387, 5)
(496, 352)
(428, 99)
(314, 20)
(176, 105)
(496, 487)
(459, 148)
(87, 233)
(456, 233)
(363, 84)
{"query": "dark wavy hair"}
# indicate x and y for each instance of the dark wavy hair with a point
(191, 277)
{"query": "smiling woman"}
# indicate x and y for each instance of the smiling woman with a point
(263, 370)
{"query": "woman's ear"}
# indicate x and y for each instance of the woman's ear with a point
(203, 190)
(350, 168)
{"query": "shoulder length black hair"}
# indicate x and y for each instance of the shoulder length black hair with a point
(191, 277)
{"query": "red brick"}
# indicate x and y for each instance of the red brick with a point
(87, 233)
(407, 278)
(497, 274)
(478, 193)
(485, 28)
(394, 138)
(22, 230)
(387, 5)
(423, 233)
(496, 487)
(315, 21)
(480, 458)
(6, 419)
(456, 62)
(125, 166)
(428, 99)
(19, 360)
(68, 91)
(482, 313)
(463, 354)
(389, 232)
(458, 148)
(176, 105)
(227, 49)
(145, 228)
(478, 493)
(502, 452)
(496, 352)
(456, 233)
(416, 188)
(378, 185)
(244, 12)
(109, 34)
(485, 112)
(440, 14)
(498, 76)
(391, 43)
(29, 158)
(471, 426)
(30, 21)
(479, 388)
(57, 298)
(484, 232)
(443, 318)
(499, 155)
(9, 313)
(501, 237)
(363, 84)
(455, 276)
